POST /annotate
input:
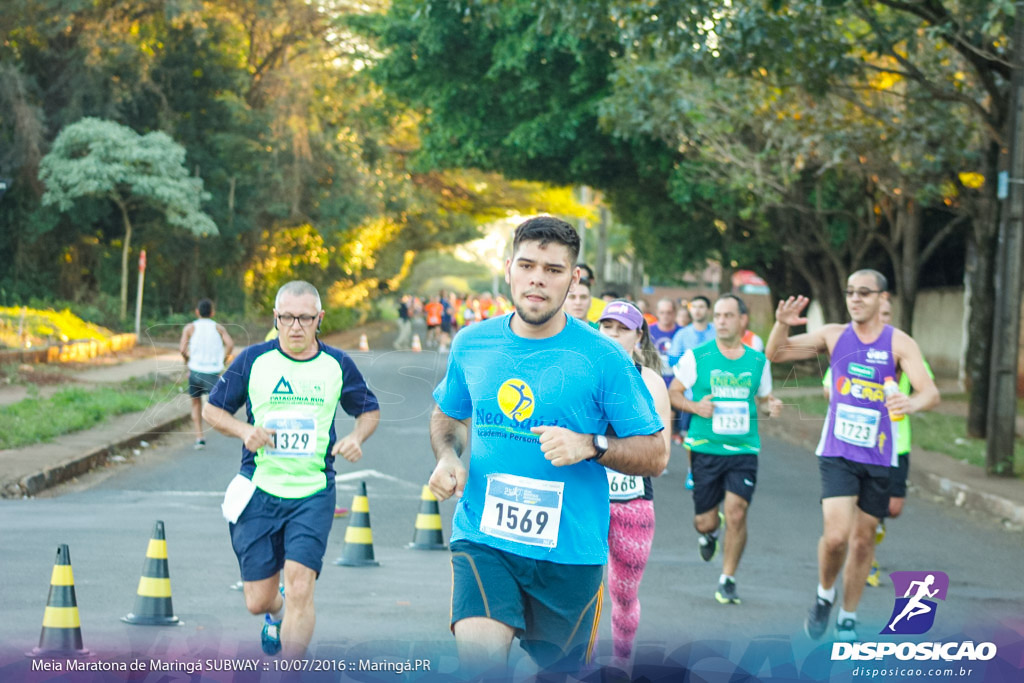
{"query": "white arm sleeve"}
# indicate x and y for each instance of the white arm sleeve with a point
(686, 369)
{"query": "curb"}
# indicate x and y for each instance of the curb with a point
(32, 484)
(965, 496)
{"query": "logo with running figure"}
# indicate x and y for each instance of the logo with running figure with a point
(515, 398)
(916, 593)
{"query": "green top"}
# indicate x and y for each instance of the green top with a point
(733, 386)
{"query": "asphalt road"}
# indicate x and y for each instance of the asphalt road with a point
(399, 610)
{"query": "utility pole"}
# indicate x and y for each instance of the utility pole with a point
(1002, 403)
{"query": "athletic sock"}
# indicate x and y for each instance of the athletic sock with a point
(844, 615)
(723, 577)
(829, 594)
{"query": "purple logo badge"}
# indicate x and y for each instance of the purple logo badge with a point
(916, 592)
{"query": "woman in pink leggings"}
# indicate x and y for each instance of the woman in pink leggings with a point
(631, 527)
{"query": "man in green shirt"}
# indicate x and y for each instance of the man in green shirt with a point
(280, 506)
(729, 382)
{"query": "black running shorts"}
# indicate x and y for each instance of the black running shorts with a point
(869, 483)
(713, 475)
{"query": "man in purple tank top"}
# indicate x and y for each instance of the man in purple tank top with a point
(856, 448)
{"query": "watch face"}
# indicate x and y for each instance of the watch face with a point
(602, 442)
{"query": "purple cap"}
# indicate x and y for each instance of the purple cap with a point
(624, 312)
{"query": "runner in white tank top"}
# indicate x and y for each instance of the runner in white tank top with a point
(205, 346)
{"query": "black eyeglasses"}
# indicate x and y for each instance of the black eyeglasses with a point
(861, 293)
(304, 320)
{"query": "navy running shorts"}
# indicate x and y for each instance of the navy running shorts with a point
(200, 383)
(869, 483)
(271, 530)
(713, 475)
(554, 608)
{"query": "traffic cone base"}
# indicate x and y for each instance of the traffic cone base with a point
(358, 550)
(416, 346)
(62, 631)
(364, 345)
(428, 534)
(153, 598)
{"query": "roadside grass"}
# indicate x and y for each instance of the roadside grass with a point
(932, 432)
(35, 420)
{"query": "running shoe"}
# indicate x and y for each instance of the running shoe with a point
(200, 445)
(817, 619)
(270, 636)
(707, 547)
(341, 512)
(238, 585)
(874, 575)
(726, 593)
(689, 480)
(846, 631)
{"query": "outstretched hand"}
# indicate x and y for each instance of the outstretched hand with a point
(788, 311)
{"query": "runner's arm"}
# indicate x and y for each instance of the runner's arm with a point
(229, 343)
(447, 439)
(186, 334)
(227, 424)
(350, 447)
(781, 347)
(642, 455)
(677, 398)
(926, 394)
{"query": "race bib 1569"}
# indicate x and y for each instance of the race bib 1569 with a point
(523, 510)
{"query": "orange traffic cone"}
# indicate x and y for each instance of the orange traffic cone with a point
(358, 550)
(416, 346)
(364, 345)
(153, 599)
(428, 524)
(62, 632)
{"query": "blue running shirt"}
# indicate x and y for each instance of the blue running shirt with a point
(515, 500)
(298, 398)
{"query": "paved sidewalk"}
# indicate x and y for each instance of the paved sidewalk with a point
(27, 471)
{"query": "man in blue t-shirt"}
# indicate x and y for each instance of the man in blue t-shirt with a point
(530, 531)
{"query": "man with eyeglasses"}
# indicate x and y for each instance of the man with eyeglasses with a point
(856, 450)
(280, 506)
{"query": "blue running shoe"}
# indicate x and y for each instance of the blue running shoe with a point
(689, 480)
(270, 636)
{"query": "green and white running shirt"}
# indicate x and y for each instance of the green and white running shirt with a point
(297, 399)
(733, 386)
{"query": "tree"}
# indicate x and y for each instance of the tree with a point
(103, 159)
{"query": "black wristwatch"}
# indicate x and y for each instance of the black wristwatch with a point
(600, 445)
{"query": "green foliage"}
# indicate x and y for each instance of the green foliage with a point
(96, 158)
(73, 409)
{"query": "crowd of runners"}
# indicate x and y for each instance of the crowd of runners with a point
(567, 433)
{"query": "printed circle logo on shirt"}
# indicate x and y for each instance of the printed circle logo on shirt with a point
(916, 592)
(515, 398)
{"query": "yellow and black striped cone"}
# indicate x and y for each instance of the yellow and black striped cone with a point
(428, 534)
(153, 601)
(358, 550)
(62, 632)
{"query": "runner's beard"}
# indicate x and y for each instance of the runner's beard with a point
(540, 317)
